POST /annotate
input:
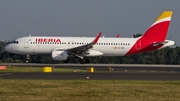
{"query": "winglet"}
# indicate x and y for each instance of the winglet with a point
(118, 36)
(97, 37)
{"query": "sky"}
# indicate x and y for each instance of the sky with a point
(20, 18)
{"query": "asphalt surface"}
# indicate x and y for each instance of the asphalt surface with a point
(95, 76)
(120, 72)
(104, 67)
(91, 65)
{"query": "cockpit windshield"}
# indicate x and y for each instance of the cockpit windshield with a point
(14, 42)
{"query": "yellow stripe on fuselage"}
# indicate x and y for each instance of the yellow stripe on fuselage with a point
(165, 14)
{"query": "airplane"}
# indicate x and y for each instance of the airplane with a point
(69, 48)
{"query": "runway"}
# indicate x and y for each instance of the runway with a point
(104, 67)
(91, 65)
(94, 76)
(120, 72)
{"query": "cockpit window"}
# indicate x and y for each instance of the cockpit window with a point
(15, 42)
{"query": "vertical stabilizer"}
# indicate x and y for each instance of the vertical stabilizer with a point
(158, 30)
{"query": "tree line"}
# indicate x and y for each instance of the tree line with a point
(163, 56)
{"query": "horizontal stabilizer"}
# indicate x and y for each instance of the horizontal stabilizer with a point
(154, 44)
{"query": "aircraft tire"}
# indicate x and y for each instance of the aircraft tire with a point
(81, 61)
(66, 61)
(87, 60)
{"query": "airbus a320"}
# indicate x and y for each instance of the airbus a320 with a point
(68, 48)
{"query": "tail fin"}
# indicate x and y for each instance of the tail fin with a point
(158, 30)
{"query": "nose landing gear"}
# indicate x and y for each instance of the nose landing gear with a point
(27, 58)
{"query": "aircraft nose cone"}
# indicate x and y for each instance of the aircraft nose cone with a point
(7, 48)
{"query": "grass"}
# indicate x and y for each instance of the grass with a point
(40, 69)
(85, 90)
(89, 90)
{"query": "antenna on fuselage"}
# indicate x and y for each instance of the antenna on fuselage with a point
(29, 35)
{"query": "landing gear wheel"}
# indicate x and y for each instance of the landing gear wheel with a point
(27, 58)
(87, 60)
(81, 61)
(66, 61)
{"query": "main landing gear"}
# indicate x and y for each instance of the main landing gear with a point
(82, 61)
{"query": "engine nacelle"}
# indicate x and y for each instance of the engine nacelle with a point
(59, 55)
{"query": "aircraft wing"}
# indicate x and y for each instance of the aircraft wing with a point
(82, 49)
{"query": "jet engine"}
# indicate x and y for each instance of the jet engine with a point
(59, 55)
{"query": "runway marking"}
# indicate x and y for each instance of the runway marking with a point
(6, 74)
(93, 76)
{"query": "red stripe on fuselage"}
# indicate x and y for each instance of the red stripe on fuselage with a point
(156, 33)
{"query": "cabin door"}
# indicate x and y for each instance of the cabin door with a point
(26, 43)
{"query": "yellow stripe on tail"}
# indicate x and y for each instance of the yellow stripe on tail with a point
(165, 14)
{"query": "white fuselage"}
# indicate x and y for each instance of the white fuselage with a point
(108, 46)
